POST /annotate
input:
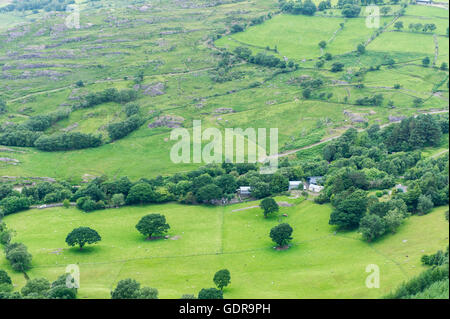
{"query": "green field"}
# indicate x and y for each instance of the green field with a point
(190, 71)
(320, 264)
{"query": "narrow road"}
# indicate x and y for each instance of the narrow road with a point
(439, 154)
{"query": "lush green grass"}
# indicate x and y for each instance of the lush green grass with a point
(318, 265)
(404, 42)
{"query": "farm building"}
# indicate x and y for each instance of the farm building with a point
(245, 190)
(401, 188)
(313, 184)
(315, 188)
(316, 180)
(295, 185)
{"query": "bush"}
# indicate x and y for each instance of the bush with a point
(4, 277)
(86, 204)
(126, 289)
(37, 286)
(118, 200)
(210, 293)
(337, 67)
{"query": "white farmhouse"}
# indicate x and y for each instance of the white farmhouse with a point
(245, 190)
(315, 188)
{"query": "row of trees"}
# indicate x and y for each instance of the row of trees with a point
(16, 253)
(67, 141)
(121, 129)
(208, 184)
(42, 122)
(298, 7)
(27, 133)
(262, 58)
(131, 289)
(108, 95)
(416, 27)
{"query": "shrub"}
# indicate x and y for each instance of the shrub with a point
(210, 293)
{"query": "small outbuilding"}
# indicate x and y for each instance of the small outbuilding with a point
(401, 188)
(315, 188)
(245, 190)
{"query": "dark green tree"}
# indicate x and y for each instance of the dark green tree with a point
(141, 193)
(210, 293)
(222, 278)
(152, 224)
(269, 206)
(372, 227)
(81, 236)
(126, 289)
(349, 207)
(281, 234)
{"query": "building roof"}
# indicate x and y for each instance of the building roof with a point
(402, 187)
(315, 179)
(245, 189)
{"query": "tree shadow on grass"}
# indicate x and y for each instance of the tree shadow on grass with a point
(86, 250)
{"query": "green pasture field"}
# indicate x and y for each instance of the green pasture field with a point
(320, 264)
(426, 11)
(402, 42)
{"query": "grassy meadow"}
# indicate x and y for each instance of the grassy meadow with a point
(320, 263)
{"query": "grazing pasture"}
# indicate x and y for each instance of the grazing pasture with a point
(320, 263)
